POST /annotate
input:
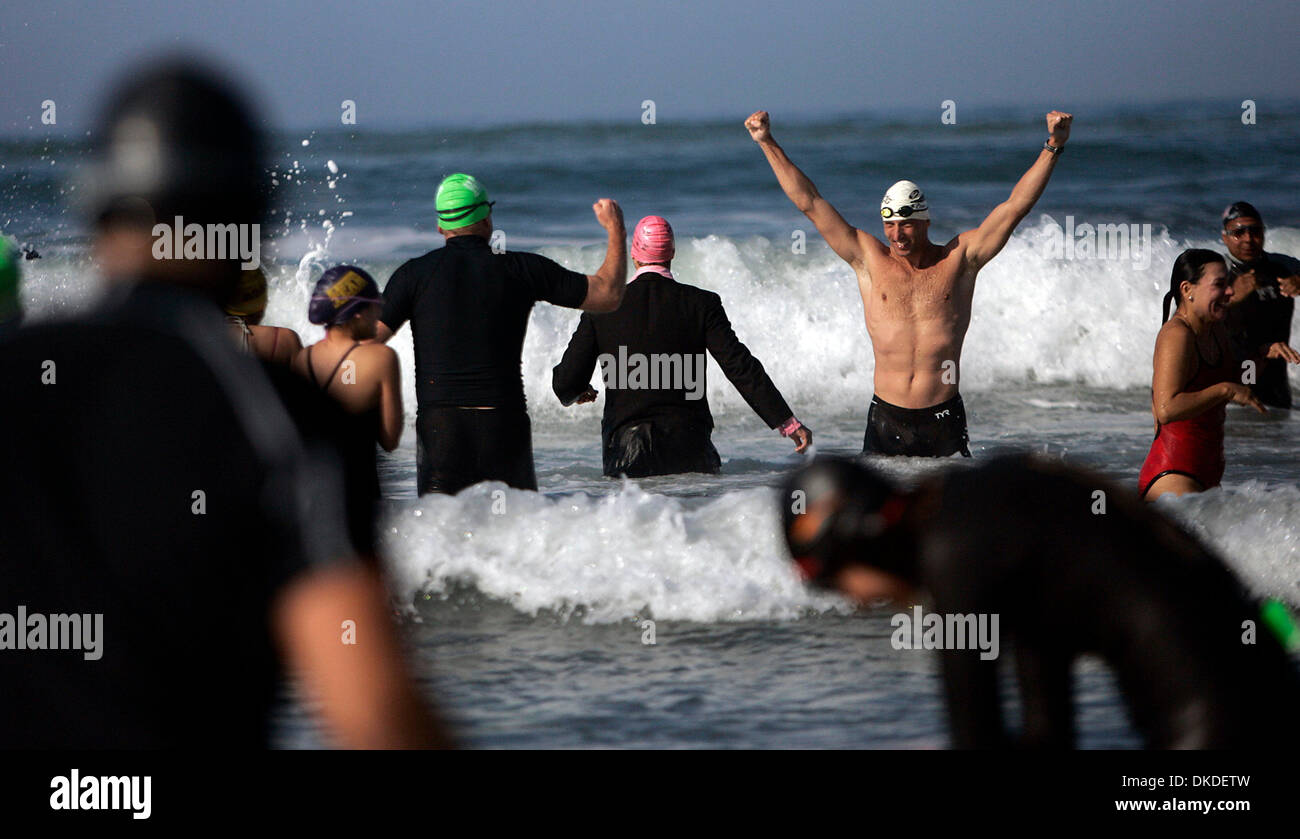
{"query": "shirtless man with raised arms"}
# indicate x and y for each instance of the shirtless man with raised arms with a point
(916, 295)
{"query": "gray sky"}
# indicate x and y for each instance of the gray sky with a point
(411, 63)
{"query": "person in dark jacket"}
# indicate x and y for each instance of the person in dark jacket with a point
(651, 352)
(195, 529)
(1264, 288)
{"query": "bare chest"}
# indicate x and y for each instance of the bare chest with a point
(893, 293)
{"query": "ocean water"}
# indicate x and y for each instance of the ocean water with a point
(527, 610)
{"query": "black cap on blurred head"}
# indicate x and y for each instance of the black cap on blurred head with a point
(177, 140)
(833, 512)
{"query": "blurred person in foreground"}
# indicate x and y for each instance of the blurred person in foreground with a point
(190, 508)
(1060, 563)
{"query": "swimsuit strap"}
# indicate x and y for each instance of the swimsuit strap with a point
(1215, 340)
(311, 373)
(275, 339)
(247, 334)
(1225, 351)
(330, 377)
(1200, 358)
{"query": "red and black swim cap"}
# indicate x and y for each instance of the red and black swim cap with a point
(833, 511)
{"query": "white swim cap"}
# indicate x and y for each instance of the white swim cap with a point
(904, 202)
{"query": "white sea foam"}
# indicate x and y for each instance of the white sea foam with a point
(1035, 318)
(605, 559)
(633, 554)
(1255, 527)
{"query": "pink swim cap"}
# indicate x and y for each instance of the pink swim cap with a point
(652, 240)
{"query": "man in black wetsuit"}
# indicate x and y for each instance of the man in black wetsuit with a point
(657, 419)
(184, 515)
(469, 306)
(1259, 313)
(1071, 564)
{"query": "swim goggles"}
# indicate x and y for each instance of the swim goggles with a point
(901, 212)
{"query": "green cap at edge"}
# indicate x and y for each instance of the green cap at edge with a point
(461, 201)
(1277, 617)
(9, 275)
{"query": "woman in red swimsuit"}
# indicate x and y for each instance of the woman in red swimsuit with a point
(1195, 376)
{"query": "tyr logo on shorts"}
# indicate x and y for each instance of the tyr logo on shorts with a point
(942, 414)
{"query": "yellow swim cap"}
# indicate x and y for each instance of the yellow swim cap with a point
(250, 296)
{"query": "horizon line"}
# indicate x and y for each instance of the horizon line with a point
(800, 116)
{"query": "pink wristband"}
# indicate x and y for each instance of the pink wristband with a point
(790, 426)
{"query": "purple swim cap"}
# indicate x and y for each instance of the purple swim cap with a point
(340, 293)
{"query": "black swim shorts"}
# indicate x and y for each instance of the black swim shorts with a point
(937, 431)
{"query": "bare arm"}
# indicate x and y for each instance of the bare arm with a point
(1174, 365)
(605, 287)
(390, 402)
(288, 346)
(986, 241)
(845, 239)
(299, 362)
(367, 698)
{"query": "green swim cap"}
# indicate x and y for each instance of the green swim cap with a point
(9, 275)
(1277, 617)
(461, 201)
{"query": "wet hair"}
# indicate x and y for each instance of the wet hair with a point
(1188, 267)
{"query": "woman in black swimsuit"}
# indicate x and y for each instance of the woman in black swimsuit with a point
(362, 375)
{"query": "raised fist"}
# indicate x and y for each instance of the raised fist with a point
(1058, 127)
(608, 213)
(759, 126)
